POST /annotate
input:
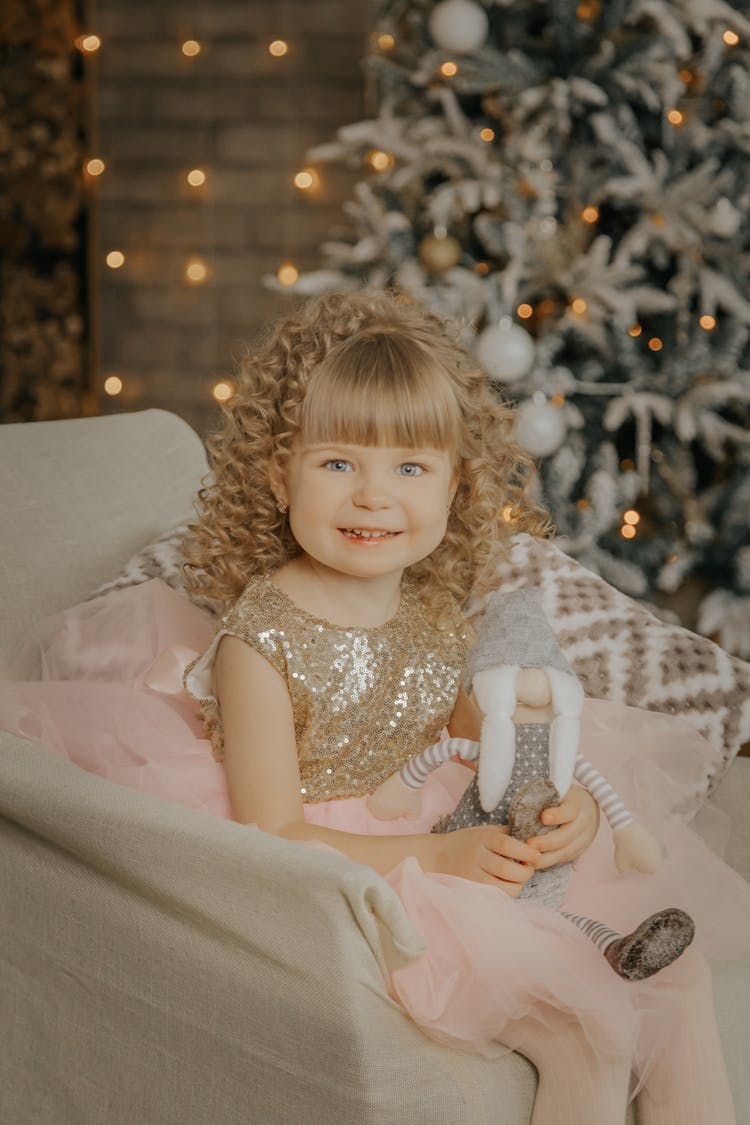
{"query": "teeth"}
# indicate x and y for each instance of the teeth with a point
(367, 534)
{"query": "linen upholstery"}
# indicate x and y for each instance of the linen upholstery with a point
(163, 966)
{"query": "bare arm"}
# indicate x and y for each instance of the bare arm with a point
(260, 757)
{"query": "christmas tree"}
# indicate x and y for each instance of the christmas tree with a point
(571, 182)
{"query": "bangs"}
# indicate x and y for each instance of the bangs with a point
(379, 388)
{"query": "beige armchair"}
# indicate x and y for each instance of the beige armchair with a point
(159, 965)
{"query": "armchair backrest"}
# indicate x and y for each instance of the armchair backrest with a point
(78, 498)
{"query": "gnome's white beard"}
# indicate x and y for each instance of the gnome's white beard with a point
(495, 691)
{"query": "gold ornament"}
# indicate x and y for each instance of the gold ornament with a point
(439, 252)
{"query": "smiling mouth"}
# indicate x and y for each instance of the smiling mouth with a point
(366, 534)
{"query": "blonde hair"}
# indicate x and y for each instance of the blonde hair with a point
(366, 368)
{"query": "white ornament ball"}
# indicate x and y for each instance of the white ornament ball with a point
(725, 218)
(540, 426)
(458, 25)
(506, 351)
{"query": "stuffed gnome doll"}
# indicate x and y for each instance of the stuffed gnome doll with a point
(527, 758)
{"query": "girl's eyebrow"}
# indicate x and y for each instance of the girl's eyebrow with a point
(406, 452)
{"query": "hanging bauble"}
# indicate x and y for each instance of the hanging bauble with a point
(725, 218)
(505, 351)
(439, 251)
(540, 426)
(458, 25)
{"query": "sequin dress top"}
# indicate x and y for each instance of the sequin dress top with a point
(365, 699)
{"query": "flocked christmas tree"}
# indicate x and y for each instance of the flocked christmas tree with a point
(571, 180)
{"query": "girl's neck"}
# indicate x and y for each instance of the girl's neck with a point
(342, 599)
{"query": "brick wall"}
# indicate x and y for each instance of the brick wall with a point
(245, 118)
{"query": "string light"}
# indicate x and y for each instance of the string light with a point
(687, 76)
(287, 273)
(115, 259)
(583, 504)
(386, 42)
(635, 330)
(655, 344)
(590, 214)
(588, 10)
(731, 38)
(88, 43)
(631, 517)
(191, 48)
(707, 322)
(196, 177)
(558, 401)
(675, 116)
(196, 271)
(578, 305)
(524, 311)
(627, 531)
(627, 465)
(449, 70)
(94, 166)
(378, 160)
(306, 179)
(487, 135)
(113, 385)
(482, 268)
(222, 391)
(278, 48)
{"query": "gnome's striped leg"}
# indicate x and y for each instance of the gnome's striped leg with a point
(652, 946)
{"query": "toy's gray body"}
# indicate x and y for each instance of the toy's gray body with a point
(531, 761)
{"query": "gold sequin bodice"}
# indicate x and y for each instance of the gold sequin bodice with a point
(365, 700)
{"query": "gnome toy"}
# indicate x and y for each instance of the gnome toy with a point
(527, 758)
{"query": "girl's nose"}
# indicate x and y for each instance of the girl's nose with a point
(370, 493)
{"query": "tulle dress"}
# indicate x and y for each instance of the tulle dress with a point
(101, 685)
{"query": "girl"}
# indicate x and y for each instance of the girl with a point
(354, 507)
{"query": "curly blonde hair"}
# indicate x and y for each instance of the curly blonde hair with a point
(364, 368)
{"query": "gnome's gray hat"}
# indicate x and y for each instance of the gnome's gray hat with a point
(516, 634)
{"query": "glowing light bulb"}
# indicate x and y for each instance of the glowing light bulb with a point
(590, 214)
(627, 531)
(583, 504)
(635, 330)
(287, 273)
(191, 48)
(386, 42)
(88, 43)
(627, 465)
(675, 116)
(278, 48)
(578, 305)
(655, 344)
(379, 161)
(707, 322)
(306, 179)
(487, 135)
(482, 268)
(113, 385)
(449, 70)
(222, 391)
(558, 401)
(196, 177)
(631, 517)
(115, 259)
(524, 311)
(95, 166)
(687, 76)
(731, 38)
(196, 271)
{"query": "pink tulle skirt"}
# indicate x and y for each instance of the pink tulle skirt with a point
(100, 685)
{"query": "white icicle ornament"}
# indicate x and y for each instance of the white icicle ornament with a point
(505, 350)
(458, 25)
(540, 426)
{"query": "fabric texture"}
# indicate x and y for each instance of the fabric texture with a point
(620, 651)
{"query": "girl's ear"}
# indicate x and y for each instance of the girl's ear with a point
(277, 481)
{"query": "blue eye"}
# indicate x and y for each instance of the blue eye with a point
(337, 466)
(409, 469)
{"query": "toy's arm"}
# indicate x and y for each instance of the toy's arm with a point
(399, 794)
(635, 847)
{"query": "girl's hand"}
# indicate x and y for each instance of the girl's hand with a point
(486, 854)
(577, 820)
